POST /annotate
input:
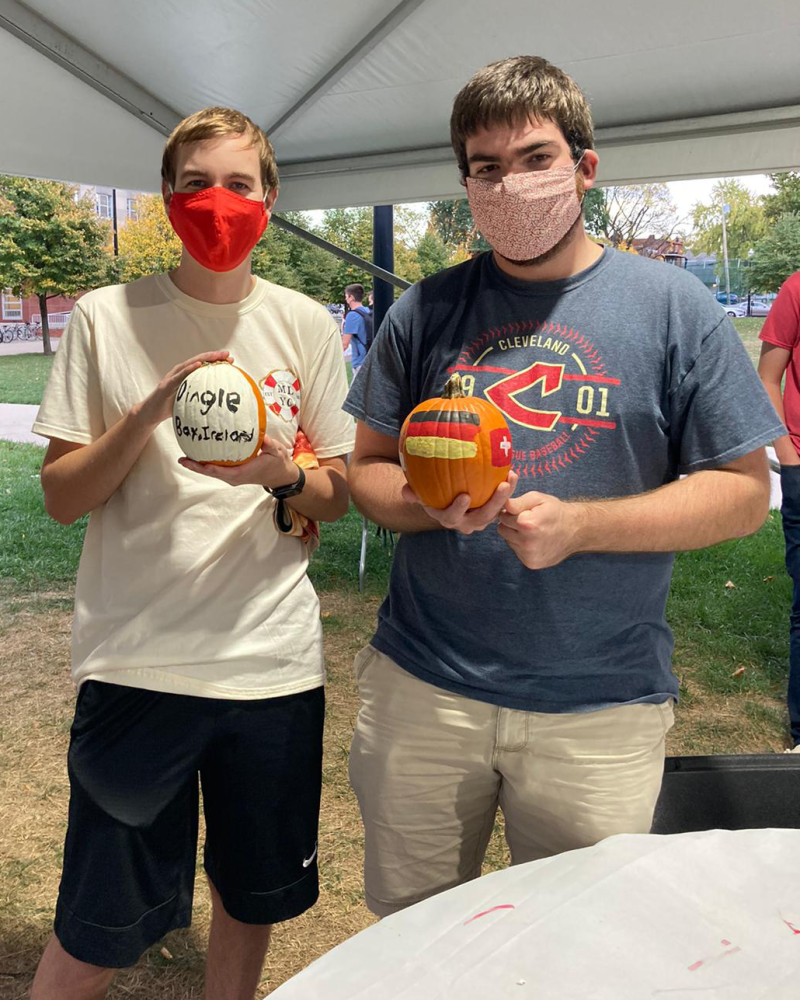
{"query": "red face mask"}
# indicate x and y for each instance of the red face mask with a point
(218, 227)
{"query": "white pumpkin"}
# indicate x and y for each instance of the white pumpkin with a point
(219, 415)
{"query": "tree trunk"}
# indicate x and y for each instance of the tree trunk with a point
(46, 346)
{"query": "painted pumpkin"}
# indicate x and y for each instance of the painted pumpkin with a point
(219, 416)
(455, 444)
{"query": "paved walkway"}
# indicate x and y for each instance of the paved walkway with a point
(28, 346)
(16, 421)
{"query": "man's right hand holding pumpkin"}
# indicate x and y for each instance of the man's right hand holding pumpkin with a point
(458, 516)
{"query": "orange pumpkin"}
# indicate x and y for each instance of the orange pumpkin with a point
(453, 445)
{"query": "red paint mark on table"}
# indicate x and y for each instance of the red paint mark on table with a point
(791, 926)
(701, 962)
(502, 906)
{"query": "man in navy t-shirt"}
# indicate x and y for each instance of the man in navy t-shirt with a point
(355, 327)
(522, 656)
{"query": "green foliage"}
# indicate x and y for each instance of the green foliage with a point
(432, 253)
(23, 377)
(453, 221)
(50, 244)
(292, 262)
(777, 255)
(148, 244)
(351, 229)
(595, 213)
(745, 223)
(786, 199)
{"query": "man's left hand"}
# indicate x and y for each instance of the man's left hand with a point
(542, 530)
(272, 466)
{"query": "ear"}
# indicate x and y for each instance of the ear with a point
(588, 168)
(269, 201)
(166, 194)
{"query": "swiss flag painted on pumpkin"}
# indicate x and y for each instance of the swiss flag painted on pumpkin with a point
(500, 441)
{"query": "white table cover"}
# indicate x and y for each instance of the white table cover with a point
(696, 916)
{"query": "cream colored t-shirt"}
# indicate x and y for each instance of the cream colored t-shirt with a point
(184, 583)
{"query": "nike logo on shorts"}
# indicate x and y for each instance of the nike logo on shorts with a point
(307, 861)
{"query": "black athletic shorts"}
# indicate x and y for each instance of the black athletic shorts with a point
(131, 846)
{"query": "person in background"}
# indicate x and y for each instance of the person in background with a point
(355, 325)
(778, 365)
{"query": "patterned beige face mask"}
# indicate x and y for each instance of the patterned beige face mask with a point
(525, 215)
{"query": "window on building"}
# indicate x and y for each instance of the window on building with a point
(12, 305)
(103, 202)
(133, 213)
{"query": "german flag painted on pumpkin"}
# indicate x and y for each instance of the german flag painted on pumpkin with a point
(443, 434)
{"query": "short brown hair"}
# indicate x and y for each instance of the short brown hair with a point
(518, 89)
(357, 291)
(216, 123)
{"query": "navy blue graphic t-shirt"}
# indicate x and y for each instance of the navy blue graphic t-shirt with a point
(613, 381)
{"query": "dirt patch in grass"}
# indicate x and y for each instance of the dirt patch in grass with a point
(36, 708)
(35, 716)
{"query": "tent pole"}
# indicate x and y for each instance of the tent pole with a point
(383, 255)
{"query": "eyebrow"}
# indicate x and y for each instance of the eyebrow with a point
(239, 176)
(525, 151)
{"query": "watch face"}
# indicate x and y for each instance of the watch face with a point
(282, 492)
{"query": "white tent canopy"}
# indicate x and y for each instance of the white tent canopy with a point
(356, 94)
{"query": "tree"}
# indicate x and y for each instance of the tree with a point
(432, 253)
(407, 226)
(293, 262)
(350, 229)
(453, 221)
(630, 212)
(745, 223)
(50, 243)
(595, 213)
(786, 198)
(777, 255)
(148, 244)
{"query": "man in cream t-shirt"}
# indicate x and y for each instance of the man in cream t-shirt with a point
(196, 643)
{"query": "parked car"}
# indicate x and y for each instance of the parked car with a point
(723, 298)
(737, 309)
(758, 307)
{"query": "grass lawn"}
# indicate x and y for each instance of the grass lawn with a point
(748, 328)
(23, 377)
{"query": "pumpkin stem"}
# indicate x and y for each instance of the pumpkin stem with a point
(453, 388)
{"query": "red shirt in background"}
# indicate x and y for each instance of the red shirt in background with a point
(782, 328)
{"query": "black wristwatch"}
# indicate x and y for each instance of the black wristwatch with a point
(290, 490)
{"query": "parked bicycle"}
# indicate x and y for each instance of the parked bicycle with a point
(28, 331)
(20, 331)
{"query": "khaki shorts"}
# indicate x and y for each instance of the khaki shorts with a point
(430, 769)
